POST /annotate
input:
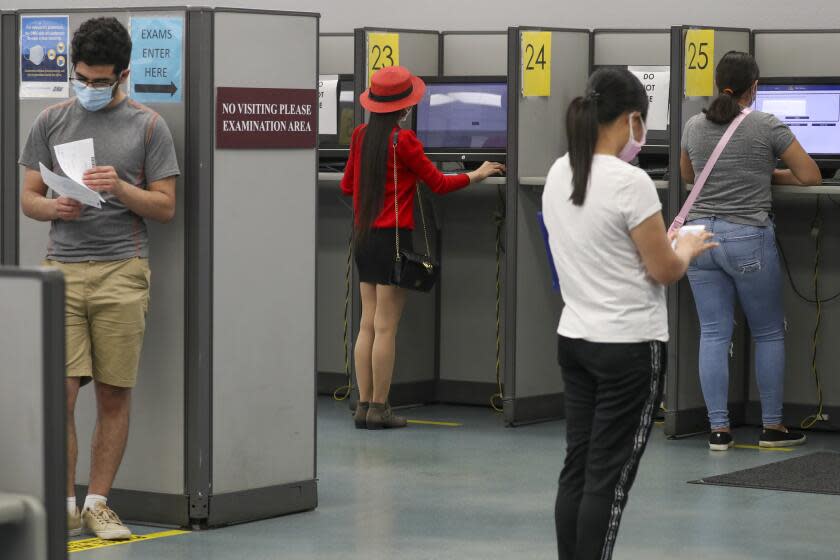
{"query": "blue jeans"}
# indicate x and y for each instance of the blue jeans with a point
(747, 265)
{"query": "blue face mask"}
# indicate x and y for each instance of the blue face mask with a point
(93, 99)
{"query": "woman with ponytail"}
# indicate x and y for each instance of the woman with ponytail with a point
(613, 258)
(735, 205)
(369, 179)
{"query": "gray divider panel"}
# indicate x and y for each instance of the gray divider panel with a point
(460, 53)
(686, 407)
(32, 424)
(154, 459)
(533, 383)
(468, 248)
(335, 53)
(264, 335)
(335, 218)
(631, 48)
(806, 54)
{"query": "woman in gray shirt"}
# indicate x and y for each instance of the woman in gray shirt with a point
(735, 206)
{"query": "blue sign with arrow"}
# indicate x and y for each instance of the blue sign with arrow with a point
(156, 59)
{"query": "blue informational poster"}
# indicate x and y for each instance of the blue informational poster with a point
(156, 59)
(43, 56)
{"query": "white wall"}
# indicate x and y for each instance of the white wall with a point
(344, 15)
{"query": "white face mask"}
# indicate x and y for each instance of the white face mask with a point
(632, 148)
(36, 55)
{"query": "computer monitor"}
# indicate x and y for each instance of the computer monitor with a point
(464, 118)
(339, 143)
(810, 107)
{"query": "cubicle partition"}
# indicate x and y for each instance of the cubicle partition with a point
(686, 409)
(8, 136)
(469, 221)
(533, 388)
(231, 324)
(806, 55)
(335, 221)
(32, 415)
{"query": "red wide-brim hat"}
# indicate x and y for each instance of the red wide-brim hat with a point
(391, 89)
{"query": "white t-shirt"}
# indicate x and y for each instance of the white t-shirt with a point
(608, 294)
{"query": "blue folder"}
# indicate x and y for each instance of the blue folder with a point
(555, 281)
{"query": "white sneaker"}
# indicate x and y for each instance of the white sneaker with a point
(104, 523)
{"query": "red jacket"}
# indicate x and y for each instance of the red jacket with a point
(412, 164)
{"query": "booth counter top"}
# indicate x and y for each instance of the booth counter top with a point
(332, 177)
(540, 182)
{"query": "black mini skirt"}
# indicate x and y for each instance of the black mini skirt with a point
(375, 255)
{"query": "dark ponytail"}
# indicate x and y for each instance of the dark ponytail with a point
(610, 93)
(735, 75)
(376, 152)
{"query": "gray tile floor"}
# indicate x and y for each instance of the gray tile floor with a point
(484, 491)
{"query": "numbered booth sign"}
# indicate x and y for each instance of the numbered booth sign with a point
(700, 63)
(383, 50)
(536, 63)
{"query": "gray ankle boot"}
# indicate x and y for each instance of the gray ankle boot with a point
(380, 416)
(360, 418)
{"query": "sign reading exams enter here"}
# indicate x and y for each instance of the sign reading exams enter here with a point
(266, 118)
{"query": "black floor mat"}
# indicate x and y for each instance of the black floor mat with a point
(817, 473)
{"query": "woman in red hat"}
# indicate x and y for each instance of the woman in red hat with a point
(369, 178)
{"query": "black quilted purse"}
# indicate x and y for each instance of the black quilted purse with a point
(412, 270)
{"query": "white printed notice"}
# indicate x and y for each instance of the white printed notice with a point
(328, 105)
(657, 82)
(74, 158)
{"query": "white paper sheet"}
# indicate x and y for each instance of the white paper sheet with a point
(70, 189)
(328, 104)
(657, 82)
(75, 158)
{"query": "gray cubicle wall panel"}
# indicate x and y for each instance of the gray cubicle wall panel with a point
(631, 48)
(419, 52)
(468, 249)
(32, 416)
(154, 460)
(335, 53)
(800, 53)
(335, 215)
(460, 50)
(264, 273)
(808, 54)
(542, 139)
(335, 220)
(794, 215)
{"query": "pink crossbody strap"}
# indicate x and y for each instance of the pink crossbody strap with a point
(707, 170)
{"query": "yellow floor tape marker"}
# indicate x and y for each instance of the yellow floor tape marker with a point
(785, 449)
(431, 423)
(91, 544)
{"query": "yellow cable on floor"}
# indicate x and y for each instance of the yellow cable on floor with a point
(500, 222)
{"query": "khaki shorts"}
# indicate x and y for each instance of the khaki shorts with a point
(105, 318)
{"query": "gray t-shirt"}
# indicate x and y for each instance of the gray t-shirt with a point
(738, 188)
(130, 137)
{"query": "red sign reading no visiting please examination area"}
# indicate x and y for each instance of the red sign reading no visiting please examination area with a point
(266, 118)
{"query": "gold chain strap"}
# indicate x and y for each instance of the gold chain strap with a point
(397, 209)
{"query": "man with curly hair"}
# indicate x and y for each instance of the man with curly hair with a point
(103, 252)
